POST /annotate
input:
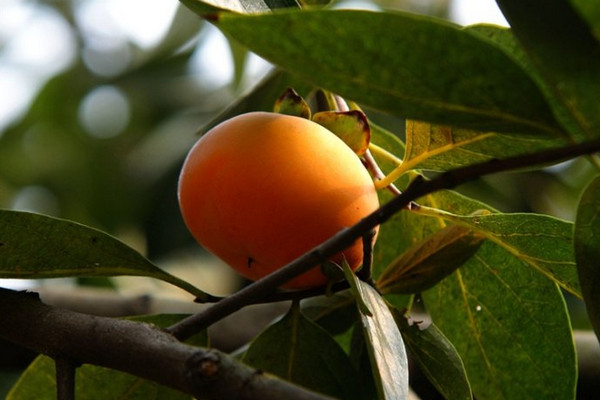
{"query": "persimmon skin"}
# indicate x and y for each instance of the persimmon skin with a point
(261, 189)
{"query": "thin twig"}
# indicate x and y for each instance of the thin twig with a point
(65, 378)
(346, 237)
(296, 294)
(366, 270)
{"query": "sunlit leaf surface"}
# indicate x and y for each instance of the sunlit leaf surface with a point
(564, 50)
(391, 61)
(385, 345)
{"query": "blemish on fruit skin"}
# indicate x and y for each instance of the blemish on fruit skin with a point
(250, 261)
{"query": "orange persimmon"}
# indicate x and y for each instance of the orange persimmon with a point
(261, 189)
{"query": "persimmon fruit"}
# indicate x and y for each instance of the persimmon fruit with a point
(261, 189)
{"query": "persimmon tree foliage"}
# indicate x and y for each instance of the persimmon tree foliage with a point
(477, 100)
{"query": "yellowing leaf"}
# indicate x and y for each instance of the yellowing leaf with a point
(291, 103)
(350, 126)
(425, 140)
(440, 147)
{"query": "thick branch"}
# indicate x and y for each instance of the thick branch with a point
(345, 238)
(224, 335)
(139, 349)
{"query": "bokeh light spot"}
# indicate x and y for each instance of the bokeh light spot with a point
(104, 112)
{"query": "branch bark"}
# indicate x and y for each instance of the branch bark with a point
(419, 187)
(136, 348)
(224, 335)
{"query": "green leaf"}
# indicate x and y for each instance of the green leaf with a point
(393, 62)
(540, 241)
(510, 326)
(564, 51)
(429, 261)
(360, 359)
(34, 246)
(335, 313)
(441, 148)
(357, 287)
(438, 359)
(315, 3)
(590, 11)
(385, 346)
(38, 381)
(587, 250)
(240, 56)
(507, 321)
(506, 40)
(296, 349)
(207, 7)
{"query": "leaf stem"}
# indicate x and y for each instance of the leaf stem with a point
(383, 153)
(411, 163)
(377, 172)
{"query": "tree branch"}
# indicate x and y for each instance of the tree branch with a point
(137, 348)
(346, 237)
